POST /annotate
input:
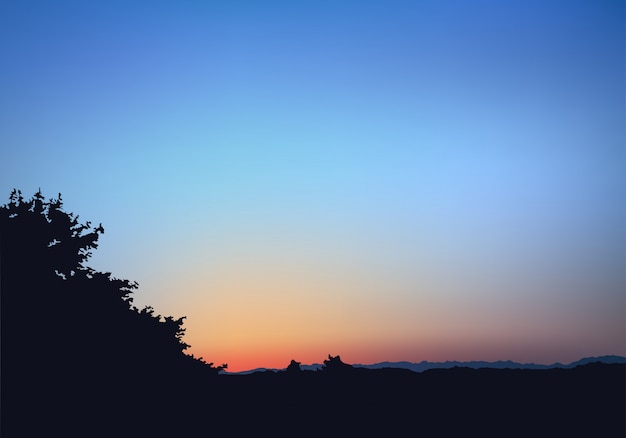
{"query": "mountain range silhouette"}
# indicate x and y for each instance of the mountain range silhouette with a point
(426, 365)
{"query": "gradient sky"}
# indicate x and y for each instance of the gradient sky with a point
(384, 180)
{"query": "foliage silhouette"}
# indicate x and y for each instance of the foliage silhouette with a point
(334, 364)
(64, 324)
(293, 367)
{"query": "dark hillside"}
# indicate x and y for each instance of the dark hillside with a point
(589, 399)
(583, 401)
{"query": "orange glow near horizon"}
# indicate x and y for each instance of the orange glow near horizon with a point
(262, 311)
(257, 349)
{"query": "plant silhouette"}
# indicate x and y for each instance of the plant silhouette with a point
(68, 329)
(334, 364)
(293, 367)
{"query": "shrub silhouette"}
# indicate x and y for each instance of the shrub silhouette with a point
(66, 327)
(293, 367)
(334, 364)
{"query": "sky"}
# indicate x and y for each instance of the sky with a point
(383, 180)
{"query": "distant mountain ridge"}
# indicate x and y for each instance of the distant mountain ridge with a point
(425, 365)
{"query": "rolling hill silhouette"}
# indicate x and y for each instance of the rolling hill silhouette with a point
(79, 360)
(425, 365)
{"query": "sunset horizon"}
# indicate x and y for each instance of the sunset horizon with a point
(245, 355)
(384, 181)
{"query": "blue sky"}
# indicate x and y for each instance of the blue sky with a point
(410, 179)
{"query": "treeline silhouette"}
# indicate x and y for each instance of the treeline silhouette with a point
(80, 360)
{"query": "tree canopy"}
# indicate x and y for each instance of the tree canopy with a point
(65, 324)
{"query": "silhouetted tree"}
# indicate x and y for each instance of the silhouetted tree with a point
(334, 364)
(66, 327)
(293, 367)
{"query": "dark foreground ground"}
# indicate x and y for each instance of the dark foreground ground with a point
(587, 400)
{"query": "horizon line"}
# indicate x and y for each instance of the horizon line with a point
(359, 365)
